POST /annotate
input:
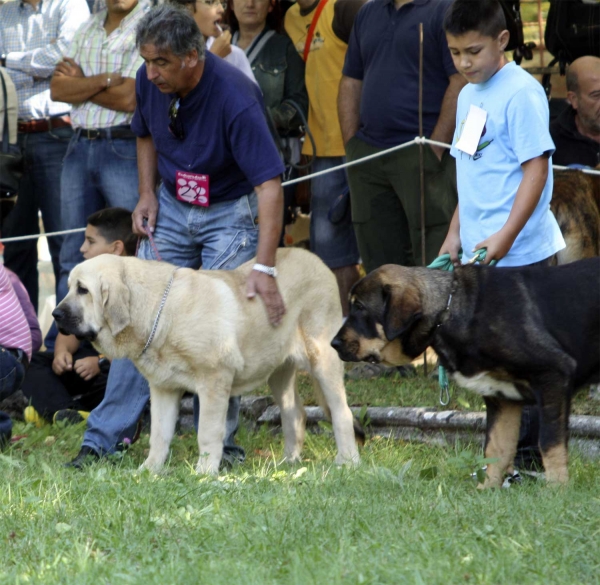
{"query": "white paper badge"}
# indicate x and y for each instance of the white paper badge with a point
(472, 129)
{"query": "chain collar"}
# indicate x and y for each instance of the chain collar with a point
(160, 308)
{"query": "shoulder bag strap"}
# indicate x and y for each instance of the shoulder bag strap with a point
(256, 47)
(5, 132)
(311, 30)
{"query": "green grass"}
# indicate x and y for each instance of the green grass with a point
(409, 514)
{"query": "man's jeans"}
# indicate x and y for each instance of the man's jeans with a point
(96, 174)
(12, 374)
(220, 237)
(39, 188)
(334, 243)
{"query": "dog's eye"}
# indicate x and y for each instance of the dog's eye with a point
(82, 291)
(359, 306)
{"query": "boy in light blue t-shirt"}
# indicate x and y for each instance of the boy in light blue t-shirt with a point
(503, 151)
(502, 146)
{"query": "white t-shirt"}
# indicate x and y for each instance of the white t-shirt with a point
(516, 130)
(237, 58)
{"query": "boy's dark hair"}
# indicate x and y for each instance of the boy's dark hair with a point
(114, 223)
(483, 16)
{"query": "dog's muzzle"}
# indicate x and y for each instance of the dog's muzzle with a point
(344, 352)
(69, 324)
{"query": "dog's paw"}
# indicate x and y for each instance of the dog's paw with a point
(151, 466)
(348, 459)
(207, 465)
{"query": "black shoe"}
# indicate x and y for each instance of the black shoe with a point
(85, 457)
(232, 457)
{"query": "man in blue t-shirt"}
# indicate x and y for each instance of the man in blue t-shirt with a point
(202, 132)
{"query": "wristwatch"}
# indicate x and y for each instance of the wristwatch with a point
(270, 270)
(3, 60)
(103, 363)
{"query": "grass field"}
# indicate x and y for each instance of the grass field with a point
(409, 514)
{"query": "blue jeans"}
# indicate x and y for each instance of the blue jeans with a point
(39, 189)
(335, 244)
(220, 237)
(12, 374)
(96, 174)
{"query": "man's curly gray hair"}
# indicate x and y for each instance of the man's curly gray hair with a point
(170, 28)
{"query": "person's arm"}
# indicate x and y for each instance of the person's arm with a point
(64, 348)
(529, 193)
(147, 207)
(285, 115)
(120, 98)
(270, 211)
(451, 244)
(41, 62)
(444, 129)
(69, 83)
(349, 106)
(344, 13)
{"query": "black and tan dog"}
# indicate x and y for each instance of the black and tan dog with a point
(576, 206)
(514, 335)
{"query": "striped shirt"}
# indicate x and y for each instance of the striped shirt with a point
(34, 40)
(14, 329)
(97, 53)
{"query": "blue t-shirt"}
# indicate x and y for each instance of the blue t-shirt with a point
(383, 52)
(226, 134)
(516, 130)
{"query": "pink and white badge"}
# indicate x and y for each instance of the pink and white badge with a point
(192, 188)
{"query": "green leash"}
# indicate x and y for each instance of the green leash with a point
(445, 263)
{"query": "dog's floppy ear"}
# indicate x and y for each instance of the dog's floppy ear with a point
(115, 303)
(401, 311)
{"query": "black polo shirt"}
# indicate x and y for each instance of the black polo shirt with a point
(384, 53)
(571, 146)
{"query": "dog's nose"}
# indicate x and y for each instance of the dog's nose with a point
(58, 314)
(336, 343)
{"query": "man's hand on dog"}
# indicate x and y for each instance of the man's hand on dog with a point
(266, 286)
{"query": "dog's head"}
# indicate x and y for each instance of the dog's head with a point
(385, 306)
(97, 301)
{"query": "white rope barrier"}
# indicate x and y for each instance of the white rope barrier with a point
(416, 140)
(35, 236)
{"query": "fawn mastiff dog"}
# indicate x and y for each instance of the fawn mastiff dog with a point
(211, 340)
(514, 335)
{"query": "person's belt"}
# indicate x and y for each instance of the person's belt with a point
(19, 354)
(114, 132)
(43, 124)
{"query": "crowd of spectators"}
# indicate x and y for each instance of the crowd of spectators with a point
(104, 116)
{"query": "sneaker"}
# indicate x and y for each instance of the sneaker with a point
(232, 457)
(70, 416)
(85, 457)
(512, 479)
(32, 416)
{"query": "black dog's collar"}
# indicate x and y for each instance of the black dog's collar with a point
(446, 311)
